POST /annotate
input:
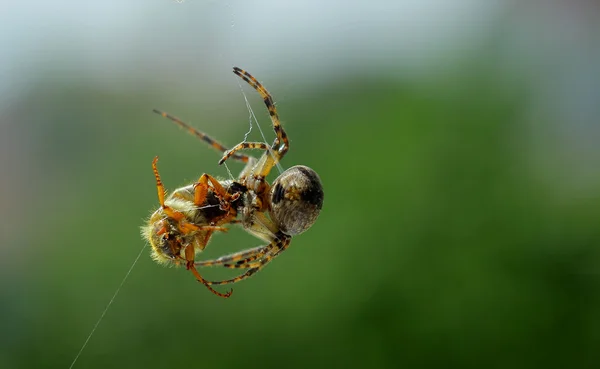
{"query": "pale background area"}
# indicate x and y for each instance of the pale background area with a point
(457, 142)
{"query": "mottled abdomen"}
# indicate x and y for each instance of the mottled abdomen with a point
(296, 199)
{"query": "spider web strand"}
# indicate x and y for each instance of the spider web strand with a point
(107, 307)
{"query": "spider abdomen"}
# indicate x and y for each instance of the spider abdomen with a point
(296, 199)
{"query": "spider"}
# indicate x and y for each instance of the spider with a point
(188, 217)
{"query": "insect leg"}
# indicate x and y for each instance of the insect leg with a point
(201, 189)
(189, 256)
(176, 215)
(187, 227)
(159, 185)
(184, 226)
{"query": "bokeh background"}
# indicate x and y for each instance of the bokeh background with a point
(458, 145)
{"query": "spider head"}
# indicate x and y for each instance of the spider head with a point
(296, 199)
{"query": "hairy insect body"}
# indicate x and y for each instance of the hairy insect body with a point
(169, 237)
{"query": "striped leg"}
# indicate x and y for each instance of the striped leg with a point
(241, 257)
(200, 135)
(281, 144)
(244, 145)
(255, 267)
(248, 274)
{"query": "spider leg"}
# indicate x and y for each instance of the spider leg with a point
(281, 144)
(244, 145)
(261, 227)
(245, 263)
(241, 257)
(204, 137)
(255, 267)
(241, 277)
(249, 265)
(247, 169)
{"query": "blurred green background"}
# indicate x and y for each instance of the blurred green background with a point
(457, 143)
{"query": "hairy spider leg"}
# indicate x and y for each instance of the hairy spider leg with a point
(262, 227)
(247, 169)
(280, 146)
(245, 263)
(204, 137)
(280, 246)
(274, 249)
(244, 145)
(241, 257)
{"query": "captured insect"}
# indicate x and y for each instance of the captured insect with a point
(187, 218)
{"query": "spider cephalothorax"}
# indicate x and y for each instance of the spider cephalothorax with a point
(184, 223)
